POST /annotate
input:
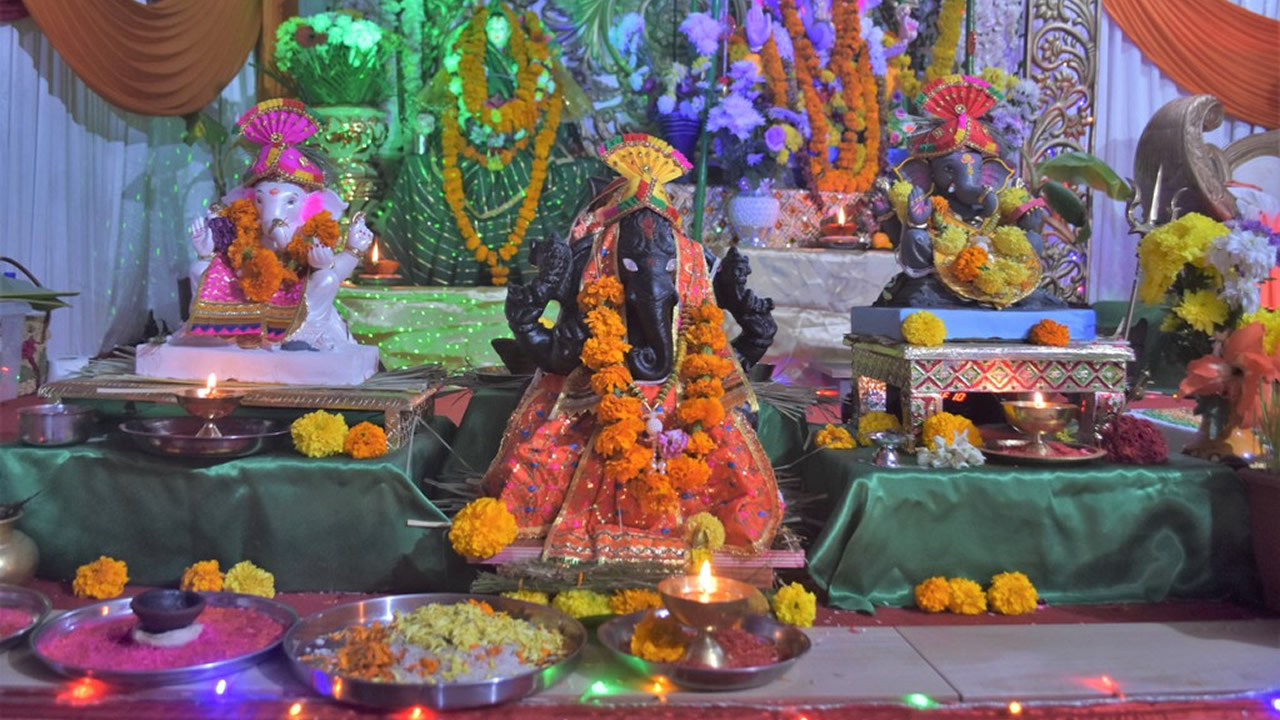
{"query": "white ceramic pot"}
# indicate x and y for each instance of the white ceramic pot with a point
(753, 216)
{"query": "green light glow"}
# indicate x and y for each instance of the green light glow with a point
(919, 701)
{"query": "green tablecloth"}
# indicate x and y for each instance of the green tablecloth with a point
(1093, 533)
(318, 524)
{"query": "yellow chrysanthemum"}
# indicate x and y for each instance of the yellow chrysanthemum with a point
(101, 579)
(319, 434)
(1015, 273)
(795, 606)
(924, 328)
(1011, 241)
(581, 603)
(529, 596)
(248, 579)
(1270, 320)
(873, 422)
(947, 425)
(203, 576)
(704, 530)
(483, 528)
(899, 192)
(1202, 310)
(625, 602)
(658, 639)
(1166, 250)
(967, 597)
(1012, 198)
(950, 241)
(991, 280)
(834, 437)
(998, 79)
(1011, 593)
(933, 595)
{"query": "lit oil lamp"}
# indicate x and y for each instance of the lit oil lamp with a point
(707, 603)
(211, 403)
(379, 270)
(1037, 418)
(841, 228)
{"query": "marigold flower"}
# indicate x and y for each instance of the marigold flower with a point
(706, 334)
(482, 529)
(967, 597)
(580, 603)
(529, 596)
(704, 530)
(619, 437)
(1011, 241)
(203, 576)
(708, 411)
(1011, 593)
(1048, 332)
(625, 602)
(704, 365)
(101, 579)
(628, 465)
(605, 322)
(613, 408)
(688, 474)
(599, 352)
(611, 378)
(969, 262)
(248, 579)
(707, 312)
(874, 422)
(260, 275)
(946, 425)
(933, 595)
(606, 290)
(703, 388)
(700, 444)
(365, 440)
(795, 606)
(924, 328)
(659, 639)
(834, 437)
(319, 434)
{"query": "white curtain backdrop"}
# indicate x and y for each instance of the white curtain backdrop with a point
(1130, 90)
(94, 198)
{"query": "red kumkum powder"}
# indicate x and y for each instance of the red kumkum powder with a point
(228, 632)
(12, 620)
(743, 649)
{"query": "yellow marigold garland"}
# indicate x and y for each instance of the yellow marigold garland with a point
(933, 595)
(101, 579)
(834, 437)
(203, 576)
(625, 602)
(1011, 593)
(532, 53)
(924, 328)
(795, 606)
(873, 422)
(482, 529)
(946, 425)
(246, 578)
(950, 20)
(620, 411)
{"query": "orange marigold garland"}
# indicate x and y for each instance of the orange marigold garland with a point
(516, 117)
(627, 460)
(262, 272)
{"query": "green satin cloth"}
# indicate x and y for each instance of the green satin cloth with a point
(1092, 533)
(452, 326)
(331, 524)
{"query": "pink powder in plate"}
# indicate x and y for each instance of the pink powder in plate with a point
(14, 619)
(109, 645)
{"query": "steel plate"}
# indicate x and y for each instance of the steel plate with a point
(176, 437)
(1001, 452)
(14, 597)
(301, 641)
(792, 644)
(113, 609)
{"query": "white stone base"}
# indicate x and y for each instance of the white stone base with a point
(350, 366)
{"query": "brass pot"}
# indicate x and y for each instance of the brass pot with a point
(18, 553)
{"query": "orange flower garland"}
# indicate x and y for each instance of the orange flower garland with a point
(621, 407)
(529, 47)
(261, 271)
(774, 73)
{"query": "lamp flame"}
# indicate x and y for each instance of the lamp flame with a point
(705, 583)
(373, 254)
(840, 216)
(1039, 400)
(210, 385)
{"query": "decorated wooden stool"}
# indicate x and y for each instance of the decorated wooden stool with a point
(927, 375)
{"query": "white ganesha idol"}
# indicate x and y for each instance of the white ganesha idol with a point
(269, 261)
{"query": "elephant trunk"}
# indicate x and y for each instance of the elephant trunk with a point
(649, 332)
(279, 233)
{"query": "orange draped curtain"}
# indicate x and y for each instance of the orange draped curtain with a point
(169, 57)
(1210, 47)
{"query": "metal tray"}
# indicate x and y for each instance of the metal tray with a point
(15, 597)
(176, 437)
(300, 641)
(112, 609)
(792, 644)
(999, 451)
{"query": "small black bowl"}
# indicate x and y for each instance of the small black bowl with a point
(164, 610)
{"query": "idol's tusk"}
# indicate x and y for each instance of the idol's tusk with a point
(1155, 196)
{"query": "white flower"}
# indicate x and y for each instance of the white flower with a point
(667, 104)
(1243, 258)
(958, 453)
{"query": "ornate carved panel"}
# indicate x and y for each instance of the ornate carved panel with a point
(1062, 58)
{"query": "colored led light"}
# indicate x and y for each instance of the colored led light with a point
(221, 687)
(1015, 708)
(295, 710)
(919, 701)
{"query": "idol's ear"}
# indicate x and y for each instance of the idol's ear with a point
(321, 200)
(918, 172)
(995, 173)
(242, 192)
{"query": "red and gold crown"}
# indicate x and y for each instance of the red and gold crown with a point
(959, 101)
(646, 165)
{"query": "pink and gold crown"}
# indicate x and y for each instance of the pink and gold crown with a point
(959, 101)
(278, 125)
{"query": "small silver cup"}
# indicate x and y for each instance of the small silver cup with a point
(887, 444)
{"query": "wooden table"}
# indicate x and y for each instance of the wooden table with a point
(927, 375)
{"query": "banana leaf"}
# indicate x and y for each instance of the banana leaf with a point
(1081, 168)
(1062, 200)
